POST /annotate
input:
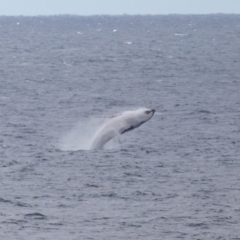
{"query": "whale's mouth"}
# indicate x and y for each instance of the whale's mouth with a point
(153, 111)
(150, 111)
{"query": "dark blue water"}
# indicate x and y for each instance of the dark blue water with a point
(175, 177)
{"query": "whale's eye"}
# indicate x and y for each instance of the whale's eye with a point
(147, 112)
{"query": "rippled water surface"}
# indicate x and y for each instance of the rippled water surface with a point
(175, 177)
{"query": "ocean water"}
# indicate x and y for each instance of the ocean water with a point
(175, 177)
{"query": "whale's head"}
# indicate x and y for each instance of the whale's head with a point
(144, 114)
(140, 116)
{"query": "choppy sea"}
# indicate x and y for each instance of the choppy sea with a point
(175, 177)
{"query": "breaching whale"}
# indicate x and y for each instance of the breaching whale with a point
(120, 124)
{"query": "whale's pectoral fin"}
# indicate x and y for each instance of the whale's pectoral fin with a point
(127, 129)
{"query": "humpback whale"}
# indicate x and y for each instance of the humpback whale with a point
(120, 124)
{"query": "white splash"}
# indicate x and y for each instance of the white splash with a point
(80, 136)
